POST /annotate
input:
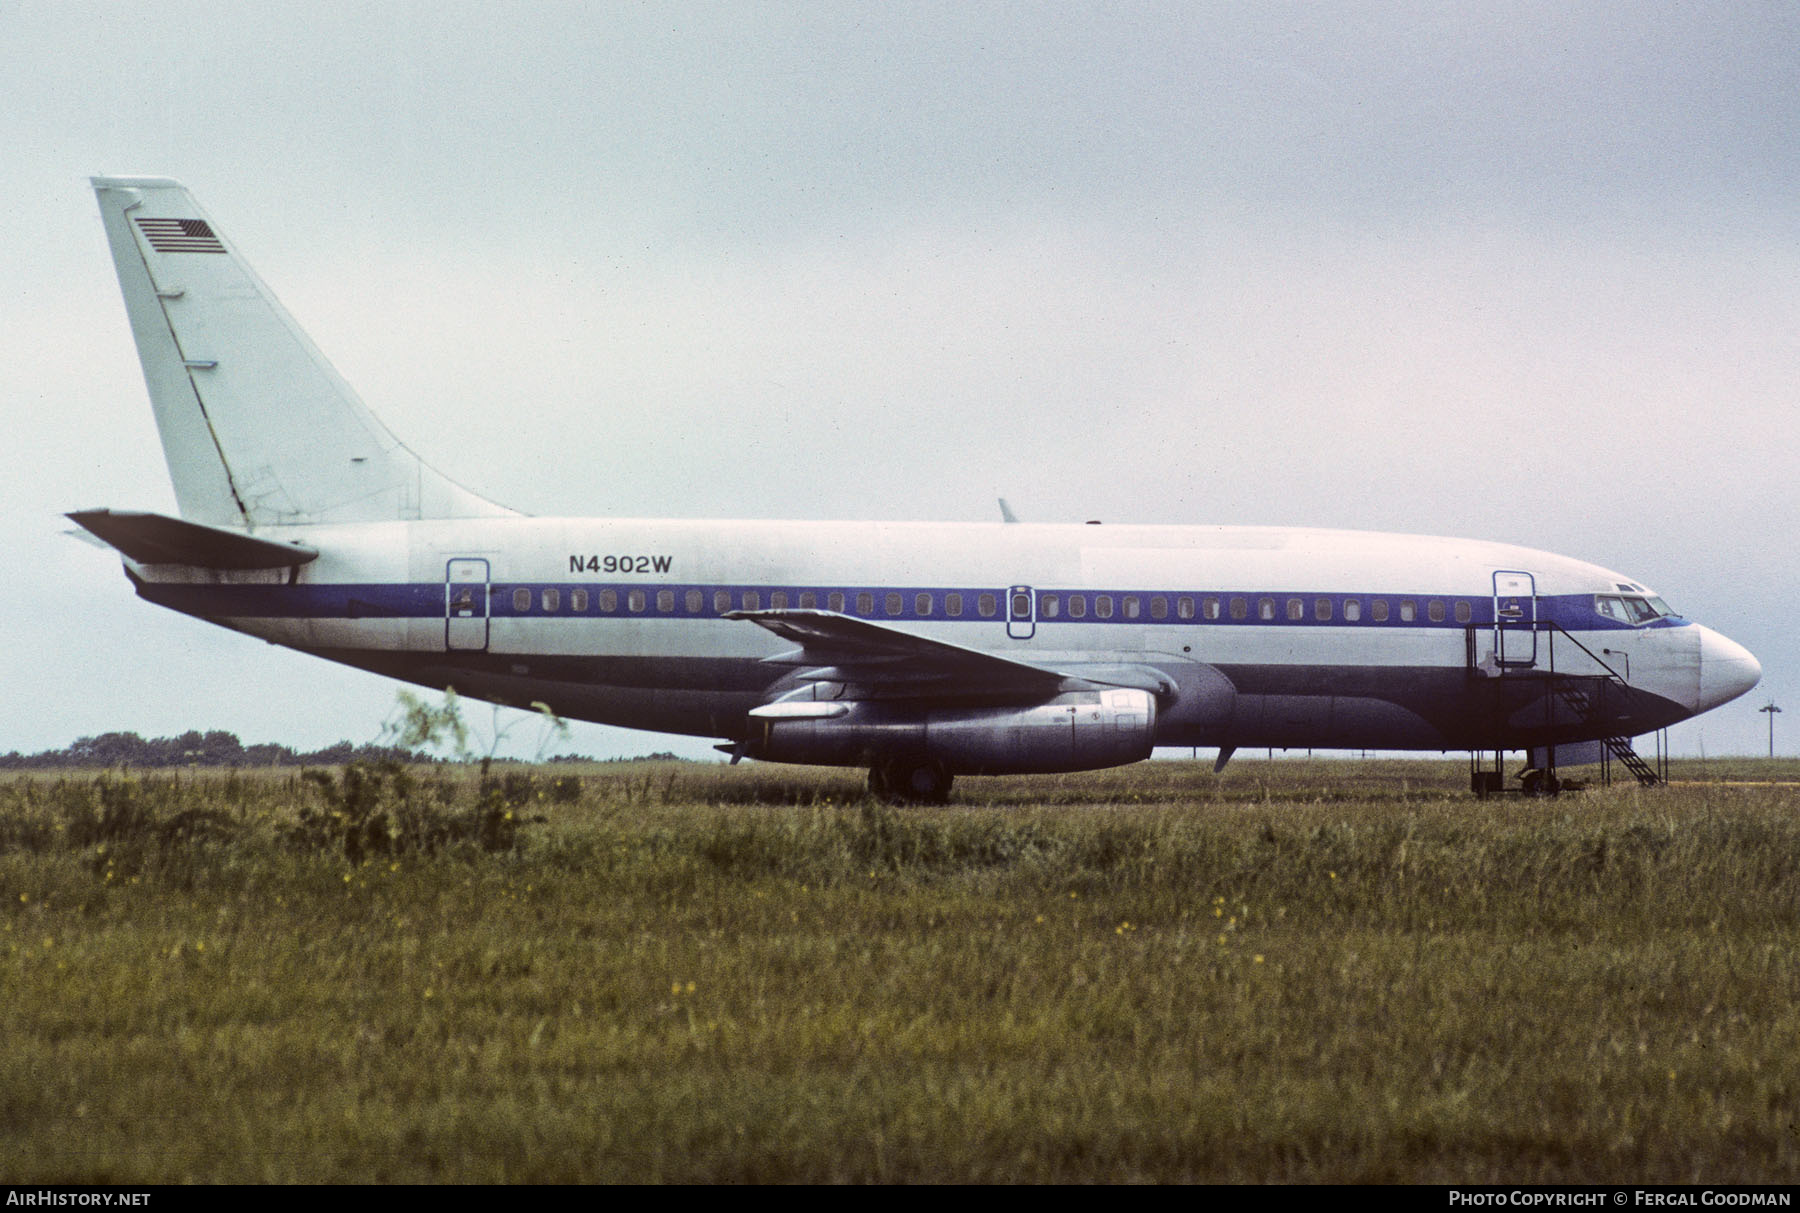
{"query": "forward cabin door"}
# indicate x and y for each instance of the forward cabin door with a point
(466, 605)
(1515, 619)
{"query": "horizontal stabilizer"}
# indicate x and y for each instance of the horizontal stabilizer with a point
(158, 539)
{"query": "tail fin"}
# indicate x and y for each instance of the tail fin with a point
(257, 427)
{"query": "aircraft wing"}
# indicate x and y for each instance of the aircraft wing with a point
(884, 662)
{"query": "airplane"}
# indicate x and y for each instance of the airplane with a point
(921, 651)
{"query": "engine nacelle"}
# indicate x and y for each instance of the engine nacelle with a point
(1076, 731)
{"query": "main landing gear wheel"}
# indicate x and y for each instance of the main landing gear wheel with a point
(914, 780)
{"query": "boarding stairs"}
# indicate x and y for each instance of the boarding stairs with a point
(1520, 645)
(1587, 698)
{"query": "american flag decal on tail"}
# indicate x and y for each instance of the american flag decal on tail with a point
(180, 235)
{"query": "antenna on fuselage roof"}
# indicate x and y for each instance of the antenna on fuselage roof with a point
(1006, 514)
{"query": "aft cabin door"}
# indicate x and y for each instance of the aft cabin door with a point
(1515, 619)
(466, 605)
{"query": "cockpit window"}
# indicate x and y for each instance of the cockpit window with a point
(1631, 609)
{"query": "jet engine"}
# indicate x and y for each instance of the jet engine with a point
(1074, 731)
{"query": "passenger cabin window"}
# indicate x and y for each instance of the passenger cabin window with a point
(1434, 610)
(1265, 608)
(953, 605)
(809, 601)
(894, 603)
(1464, 612)
(609, 600)
(921, 604)
(578, 601)
(1184, 607)
(521, 600)
(1103, 606)
(1296, 610)
(1240, 608)
(778, 600)
(1352, 610)
(865, 603)
(1322, 609)
(1159, 607)
(552, 600)
(1049, 606)
(1209, 608)
(1133, 606)
(1077, 606)
(634, 600)
(834, 601)
(752, 601)
(721, 601)
(1409, 610)
(1378, 610)
(695, 601)
(665, 601)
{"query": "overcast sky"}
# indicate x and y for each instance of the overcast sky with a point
(1524, 272)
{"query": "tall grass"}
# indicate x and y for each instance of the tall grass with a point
(1298, 971)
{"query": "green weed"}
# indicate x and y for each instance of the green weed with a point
(1297, 971)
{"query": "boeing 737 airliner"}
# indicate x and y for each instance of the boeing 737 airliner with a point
(920, 651)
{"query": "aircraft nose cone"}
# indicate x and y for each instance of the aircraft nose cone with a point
(1727, 670)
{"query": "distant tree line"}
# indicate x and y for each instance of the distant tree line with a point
(215, 748)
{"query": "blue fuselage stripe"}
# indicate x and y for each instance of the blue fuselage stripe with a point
(427, 600)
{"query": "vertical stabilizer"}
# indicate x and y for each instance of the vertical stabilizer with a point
(257, 427)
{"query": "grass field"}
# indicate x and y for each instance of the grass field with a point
(1298, 971)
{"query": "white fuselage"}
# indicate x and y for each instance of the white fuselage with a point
(1267, 636)
(923, 650)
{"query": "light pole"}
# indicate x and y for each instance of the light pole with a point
(1771, 711)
